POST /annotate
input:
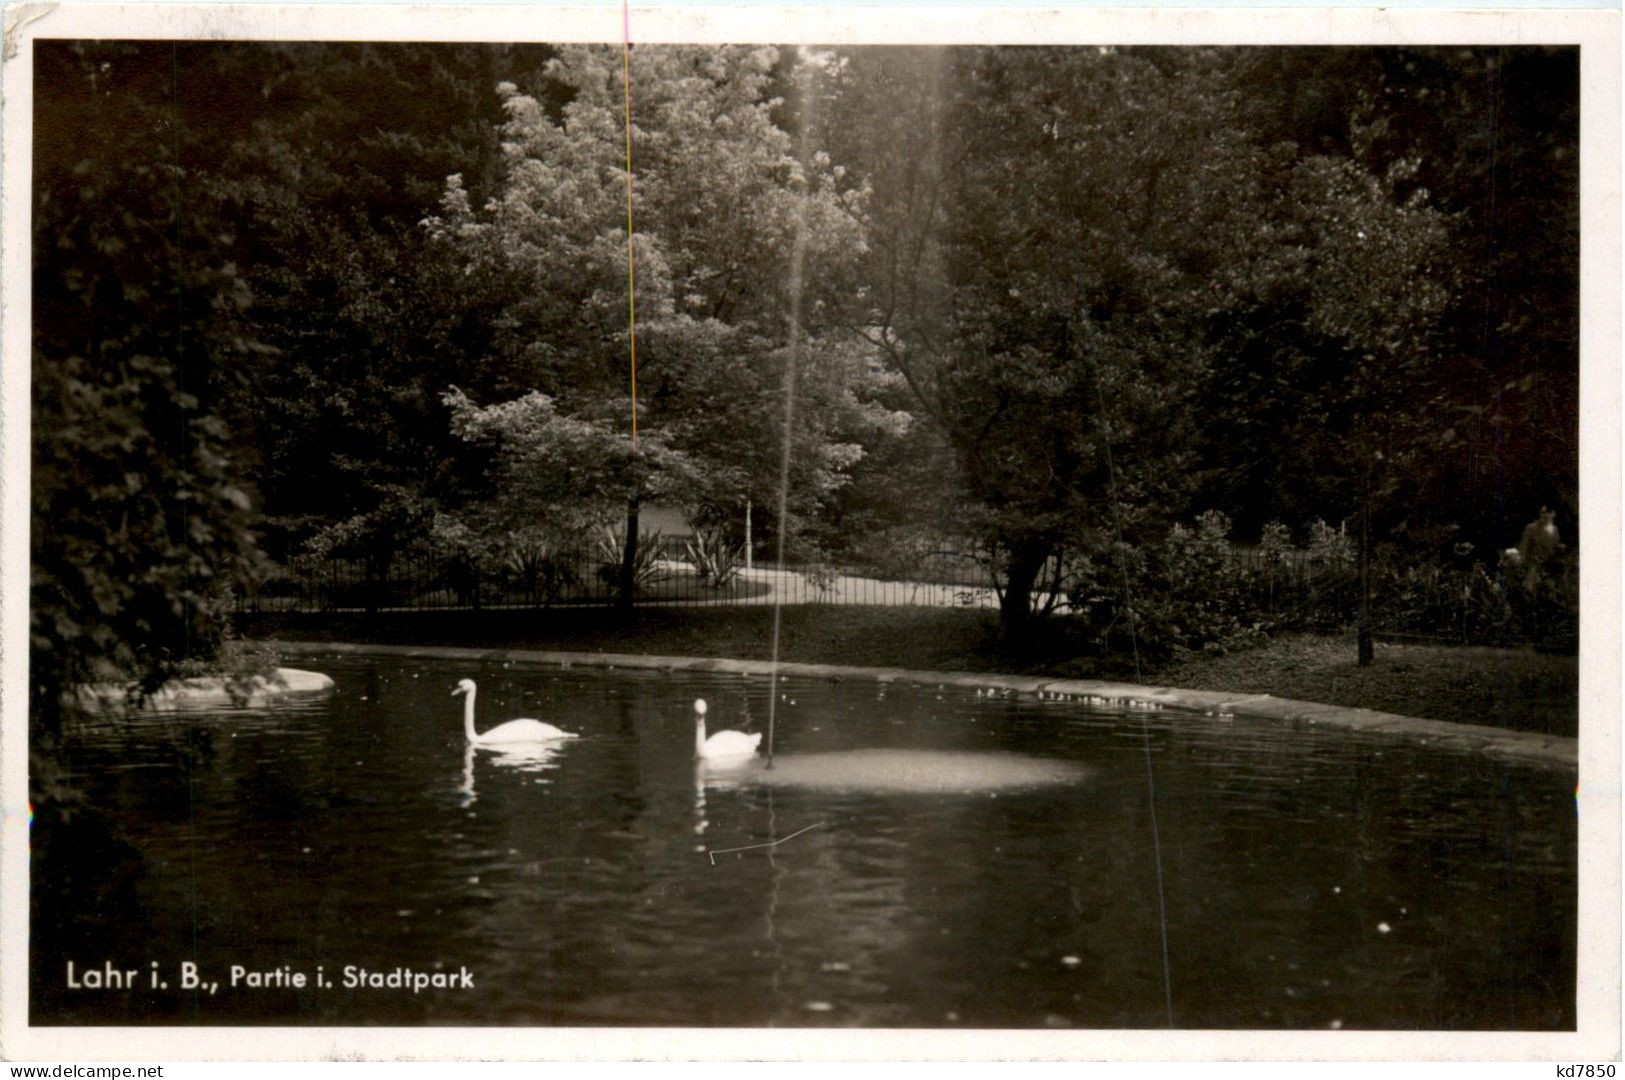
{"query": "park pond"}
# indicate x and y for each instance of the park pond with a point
(1030, 863)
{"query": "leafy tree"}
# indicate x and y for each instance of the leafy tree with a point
(212, 173)
(141, 351)
(1434, 441)
(568, 472)
(1495, 133)
(1060, 240)
(720, 195)
(332, 180)
(1026, 226)
(1491, 137)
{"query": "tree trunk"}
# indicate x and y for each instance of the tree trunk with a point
(376, 567)
(1016, 605)
(629, 556)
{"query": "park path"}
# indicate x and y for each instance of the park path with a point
(794, 587)
(775, 587)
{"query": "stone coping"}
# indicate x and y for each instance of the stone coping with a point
(1521, 746)
(210, 692)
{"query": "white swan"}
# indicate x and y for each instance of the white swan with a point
(514, 731)
(724, 745)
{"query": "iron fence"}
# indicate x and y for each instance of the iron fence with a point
(1463, 604)
(667, 573)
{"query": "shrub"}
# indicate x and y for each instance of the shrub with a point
(609, 550)
(821, 576)
(1199, 595)
(716, 562)
(1332, 593)
(541, 573)
(1275, 544)
(463, 559)
(238, 664)
(1184, 592)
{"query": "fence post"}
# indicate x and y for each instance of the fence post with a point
(1367, 652)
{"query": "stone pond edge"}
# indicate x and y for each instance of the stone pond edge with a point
(1522, 746)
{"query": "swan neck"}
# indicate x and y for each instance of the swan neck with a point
(468, 717)
(699, 735)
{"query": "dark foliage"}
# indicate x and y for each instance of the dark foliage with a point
(142, 356)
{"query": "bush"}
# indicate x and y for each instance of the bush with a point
(1198, 595)
(1188, 591)
(1275, 544)
(464, 559)
(1332, 592)
(238, 664)
(609, 550)
(716, 562)
(540, 572)
(1461, 599)
(821, 577)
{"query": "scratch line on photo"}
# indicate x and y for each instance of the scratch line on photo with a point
(712, 855)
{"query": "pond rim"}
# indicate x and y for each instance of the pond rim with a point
(1524, 747)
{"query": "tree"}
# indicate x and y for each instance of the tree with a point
(141, 348)
(1060, 241)
(1474, 411)
(1495, 133)
(565, 471)
(1033, 230)
(331, 178)
(1490, 135)
(719, 196)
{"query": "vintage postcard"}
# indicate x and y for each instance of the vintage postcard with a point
(598, 533)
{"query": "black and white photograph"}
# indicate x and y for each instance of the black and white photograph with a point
(1046, 530)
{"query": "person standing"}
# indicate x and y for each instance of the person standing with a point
(1539, 545)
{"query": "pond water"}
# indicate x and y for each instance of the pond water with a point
(1308, 879)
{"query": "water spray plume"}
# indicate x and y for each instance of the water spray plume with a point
(631, 250)
(792, 356)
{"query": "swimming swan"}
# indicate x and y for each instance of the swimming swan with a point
(724, 745)
(514, 731)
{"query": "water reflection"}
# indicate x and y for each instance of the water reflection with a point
(522, 759)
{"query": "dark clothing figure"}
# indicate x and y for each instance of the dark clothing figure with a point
(1538, 546)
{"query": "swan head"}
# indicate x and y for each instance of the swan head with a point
(699, 708)
(464, 686)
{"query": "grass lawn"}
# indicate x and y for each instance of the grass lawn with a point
(1512, 688)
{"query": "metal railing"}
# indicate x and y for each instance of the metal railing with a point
(666, 574)
(1456, 605)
